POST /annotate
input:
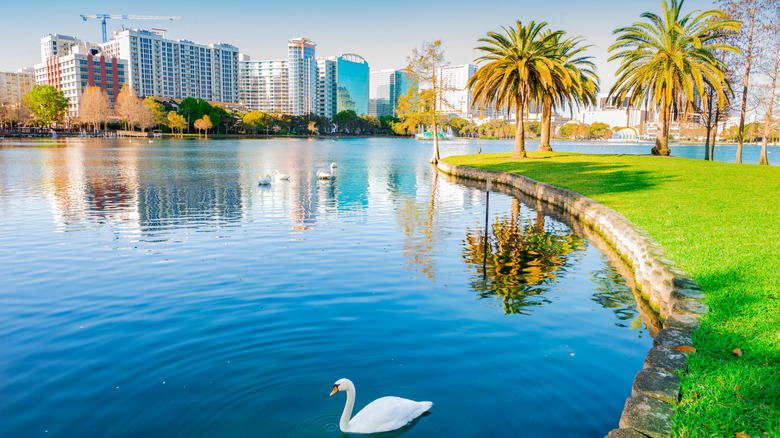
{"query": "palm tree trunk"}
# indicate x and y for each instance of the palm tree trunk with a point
(519, 130)
(546, 122)
(662, 137)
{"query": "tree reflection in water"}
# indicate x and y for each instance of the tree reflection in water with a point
(611, 292)
(520, 261)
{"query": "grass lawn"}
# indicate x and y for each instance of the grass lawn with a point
(720, 222)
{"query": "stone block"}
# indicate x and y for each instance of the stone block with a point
(681, 321)
(666, 358)
(683, 282)
(647, 415)
(691, 294)
(690, 307)
(625, 433)
(657, 383)
(673, 338)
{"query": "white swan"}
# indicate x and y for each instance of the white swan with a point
(281, 176)
(321, 174)
(381, 415)
(265, 180)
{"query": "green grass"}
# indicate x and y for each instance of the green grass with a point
(720, 223)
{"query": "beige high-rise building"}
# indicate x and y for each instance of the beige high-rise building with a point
(13, 86)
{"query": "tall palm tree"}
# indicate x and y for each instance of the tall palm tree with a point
(520, 66)
(583, 83)
(669, 58)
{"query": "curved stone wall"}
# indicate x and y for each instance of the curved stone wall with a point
(678, 299)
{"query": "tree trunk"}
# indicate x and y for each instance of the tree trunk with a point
(748, 58)
(519, 130)
(435, 157)
(546, 122)
(715, 132)
(764, 159)
(662, 137)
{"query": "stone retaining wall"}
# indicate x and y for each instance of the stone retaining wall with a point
(678, 299)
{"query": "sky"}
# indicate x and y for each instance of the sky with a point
(384, 33)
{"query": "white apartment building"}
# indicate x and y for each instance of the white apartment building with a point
(82, 67)
(264, 85)
(55, 45)
(302, 66)
(326, 87)
(13, 86)
(176, 68)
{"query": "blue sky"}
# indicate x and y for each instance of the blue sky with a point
(384, 33)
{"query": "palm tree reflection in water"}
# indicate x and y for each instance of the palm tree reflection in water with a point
(520, 261)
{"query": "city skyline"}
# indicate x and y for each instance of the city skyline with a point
(383, 36)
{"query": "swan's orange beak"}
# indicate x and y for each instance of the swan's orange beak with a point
(335, 389)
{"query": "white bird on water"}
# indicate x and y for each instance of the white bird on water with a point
(381, 415)
(281, 176)
(321, 174)
(265, 180)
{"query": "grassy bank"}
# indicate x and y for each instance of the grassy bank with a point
(720, 223)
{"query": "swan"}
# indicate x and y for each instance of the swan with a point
(321, 174)
(381, 415)
(280, 176)
(264, 181)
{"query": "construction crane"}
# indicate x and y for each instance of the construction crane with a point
(105, 17)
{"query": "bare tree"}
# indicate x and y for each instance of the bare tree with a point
(126, 106)
(769, 101)
(94, 108)
(424, 71)
(754, 15)
(140, 115)
(203, 124)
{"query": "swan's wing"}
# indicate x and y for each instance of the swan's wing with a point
(386, 414)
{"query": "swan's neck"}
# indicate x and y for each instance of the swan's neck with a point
(345, 416)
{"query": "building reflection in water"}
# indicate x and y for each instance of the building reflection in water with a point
(115, 184)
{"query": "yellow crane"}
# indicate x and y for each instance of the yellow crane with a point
(105, 17)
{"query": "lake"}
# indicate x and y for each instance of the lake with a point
(152, 288)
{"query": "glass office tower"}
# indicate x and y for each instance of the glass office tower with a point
(352, 84)
(386, 87)
(302, 74)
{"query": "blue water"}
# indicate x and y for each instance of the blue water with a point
(153, 289)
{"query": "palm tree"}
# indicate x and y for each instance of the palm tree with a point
(521, 65)
(668, 59)
(583, 86)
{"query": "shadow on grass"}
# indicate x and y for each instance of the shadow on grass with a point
(589, 178)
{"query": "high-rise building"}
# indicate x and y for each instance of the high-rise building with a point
(352, 84)
(386, 86)
(326, 87)
(457, 99)
(13, 86)
(264, 85)
(82, 67)
(55, 45)
(302, 66)
(176, 68)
